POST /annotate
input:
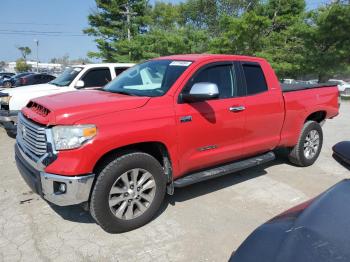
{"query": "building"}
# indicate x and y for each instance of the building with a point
(42, 67)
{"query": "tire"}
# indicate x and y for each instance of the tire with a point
(116, 218)
(7, 84)
(302, 153)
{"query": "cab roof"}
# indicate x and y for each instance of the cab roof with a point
(204, 57)
(106, 65)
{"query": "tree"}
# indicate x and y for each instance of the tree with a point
(109, 24)
(22, 66)
(25, 51)
(295, 41)
(64, 60)
(327, 40)
(2, 65)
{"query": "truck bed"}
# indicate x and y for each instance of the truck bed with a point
(297, 87)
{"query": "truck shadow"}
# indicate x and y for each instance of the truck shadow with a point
(78, 214)
(210, 186)
(73, 213)
(341, 162)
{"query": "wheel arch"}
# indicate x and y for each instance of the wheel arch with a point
(317, 116)
(154, 148)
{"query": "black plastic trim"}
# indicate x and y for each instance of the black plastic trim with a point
(224, 170)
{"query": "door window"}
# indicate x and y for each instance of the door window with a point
(254, 78)
(97, 77)
(221, 75)
(119, 70)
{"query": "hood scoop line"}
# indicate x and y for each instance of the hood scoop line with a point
(37, 108)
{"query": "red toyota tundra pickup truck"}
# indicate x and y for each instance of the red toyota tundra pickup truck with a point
(166, 123)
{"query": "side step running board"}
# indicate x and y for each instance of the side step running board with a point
(224, 170)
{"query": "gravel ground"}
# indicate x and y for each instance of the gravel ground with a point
(203, 222)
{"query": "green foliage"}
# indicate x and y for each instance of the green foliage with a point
(295, 41)
(25, 51)
(327, 40)
(22, 66)
(109, 25)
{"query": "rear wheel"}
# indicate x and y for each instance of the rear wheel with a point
(309, 145)
(7, 84)
(128, 192)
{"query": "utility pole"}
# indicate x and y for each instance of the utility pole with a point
(37, 55)
(128, 14)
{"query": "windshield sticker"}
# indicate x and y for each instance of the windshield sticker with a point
(180, 63)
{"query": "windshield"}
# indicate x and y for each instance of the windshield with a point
(152, 78)
(67, 76)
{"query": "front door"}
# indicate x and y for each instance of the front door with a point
(210, 132)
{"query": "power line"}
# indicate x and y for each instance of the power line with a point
(43, 34)
(24, 23)
(34, 31)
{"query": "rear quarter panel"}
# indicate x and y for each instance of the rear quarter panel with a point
(301, 104)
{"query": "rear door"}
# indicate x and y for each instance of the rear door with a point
(209, 132)
(264, 108)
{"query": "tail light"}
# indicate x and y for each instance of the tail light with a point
(23, 80)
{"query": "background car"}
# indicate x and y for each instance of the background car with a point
(34, 79)
(8, 83)
(4, 76)
(315, 231)
(344, 87)
(341, 153)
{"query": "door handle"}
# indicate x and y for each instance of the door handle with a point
(237, 108)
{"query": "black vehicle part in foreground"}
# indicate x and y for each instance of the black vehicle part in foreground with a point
(342, 151)
(315, 231)
(297, 87)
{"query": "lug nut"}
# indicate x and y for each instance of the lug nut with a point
(131, 187)
(126, 194)
(138, 189)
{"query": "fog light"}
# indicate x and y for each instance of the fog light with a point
(62, 188)
(59, 187)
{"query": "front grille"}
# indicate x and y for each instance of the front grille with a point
(347, 91)
(31, 136)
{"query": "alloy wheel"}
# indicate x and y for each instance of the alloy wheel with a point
(132, 194)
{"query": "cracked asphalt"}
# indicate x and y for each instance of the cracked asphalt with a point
(203, 222)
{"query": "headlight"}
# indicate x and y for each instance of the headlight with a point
(5, 100)
(70, 137)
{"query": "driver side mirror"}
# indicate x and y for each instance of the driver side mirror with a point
(200, 92)
(79, 84)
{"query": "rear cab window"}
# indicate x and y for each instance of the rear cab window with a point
(119, 70)
(254, 78)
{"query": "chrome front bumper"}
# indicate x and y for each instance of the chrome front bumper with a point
(77, 188)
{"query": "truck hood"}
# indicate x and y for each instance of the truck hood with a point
(29, 88)
(70, 107)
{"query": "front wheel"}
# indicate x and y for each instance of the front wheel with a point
(309, 145)
(128, 192)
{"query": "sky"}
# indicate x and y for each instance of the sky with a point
(24, 21)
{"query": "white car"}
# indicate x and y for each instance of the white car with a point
(344, 87)
(73, 78)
